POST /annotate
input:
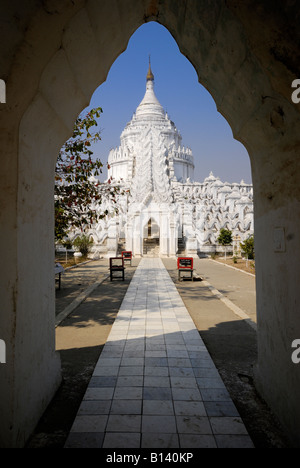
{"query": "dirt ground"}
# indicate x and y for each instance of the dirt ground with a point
(69, 260)
(240, 263)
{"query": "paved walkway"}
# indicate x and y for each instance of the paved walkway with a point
(155, 385)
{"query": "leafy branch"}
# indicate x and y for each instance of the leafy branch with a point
(77, 193)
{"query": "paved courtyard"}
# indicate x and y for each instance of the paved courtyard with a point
(155, 384)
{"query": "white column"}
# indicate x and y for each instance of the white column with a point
(112, 240)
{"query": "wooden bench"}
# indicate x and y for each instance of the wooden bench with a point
(127, 256)
(185, 265)
(116, 264)
(58, 270)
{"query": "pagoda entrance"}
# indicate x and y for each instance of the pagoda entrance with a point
(151, 234)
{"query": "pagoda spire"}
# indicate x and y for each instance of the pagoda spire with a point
(150, 76)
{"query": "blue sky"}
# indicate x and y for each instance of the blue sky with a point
(187, 102)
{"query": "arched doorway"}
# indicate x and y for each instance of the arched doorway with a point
(47, 86)
(151, 238)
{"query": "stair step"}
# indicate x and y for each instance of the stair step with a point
(151, 248)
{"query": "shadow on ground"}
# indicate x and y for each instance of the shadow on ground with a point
(230, 341)
(232, 344)
(80, 339)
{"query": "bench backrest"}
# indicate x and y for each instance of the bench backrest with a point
(185, 262)
(127, 254)
(116, 262)
(58, 268)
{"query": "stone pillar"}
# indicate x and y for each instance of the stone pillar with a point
(31, 374)
(277, 254)
(129, 242)
(112, 239)
(137, 236)
(236, 245)
(188, 220)
(173, 238)
(275, 172)
(191, 246)
(189, 231)
(164, 234)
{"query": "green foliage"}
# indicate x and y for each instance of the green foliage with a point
(247, 247)
(74, 192)
(83, 244)
(225, 237)
(61, 223)
(67, 243)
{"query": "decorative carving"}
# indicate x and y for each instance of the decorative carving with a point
(157, 170)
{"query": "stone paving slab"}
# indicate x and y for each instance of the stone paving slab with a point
(155, 384)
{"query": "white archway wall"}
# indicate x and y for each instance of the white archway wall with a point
(56, 78)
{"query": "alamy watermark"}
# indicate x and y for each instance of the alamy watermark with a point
(296, 94)
(296, 99)
(2, 92)
(296, 354)
(2, 352)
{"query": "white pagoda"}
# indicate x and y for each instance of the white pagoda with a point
(162, 211)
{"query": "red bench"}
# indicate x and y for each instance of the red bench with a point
(185, 265)
(116, 264)
(127, 256)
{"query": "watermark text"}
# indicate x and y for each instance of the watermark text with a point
(296, 94)
(296, 353)
(2, 352)
(2, 92)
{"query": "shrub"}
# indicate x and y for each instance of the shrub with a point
(248, 247)
(83, 244)
(225, 237)
(67, 243)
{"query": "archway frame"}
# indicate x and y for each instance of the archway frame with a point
(48, 86)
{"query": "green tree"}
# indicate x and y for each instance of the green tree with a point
(75, 192)
(248, 247)
(83, 244)
(225, 238)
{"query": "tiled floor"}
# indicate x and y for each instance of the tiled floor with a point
(155, 385)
